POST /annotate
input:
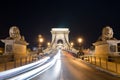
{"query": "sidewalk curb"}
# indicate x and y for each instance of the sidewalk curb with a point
(101, 69)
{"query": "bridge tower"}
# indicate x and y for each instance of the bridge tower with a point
(60, 38)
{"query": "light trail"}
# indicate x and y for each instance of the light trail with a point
(31, 74)
(19, 70)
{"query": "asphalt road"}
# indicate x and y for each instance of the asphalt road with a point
(69, 68)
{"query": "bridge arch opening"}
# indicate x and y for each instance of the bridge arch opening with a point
(60, 41)
(60, 44)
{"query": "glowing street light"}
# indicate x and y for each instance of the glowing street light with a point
(71, 44)
(48, 44)
(80, 40)
(41, 40)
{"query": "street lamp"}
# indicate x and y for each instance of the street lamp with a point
(48, 44)
(71, 44)
(80, 40)
(40, 39)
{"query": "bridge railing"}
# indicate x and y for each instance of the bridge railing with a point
(111, 64)
(6, 64)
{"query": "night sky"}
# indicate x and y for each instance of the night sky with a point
(84, 18)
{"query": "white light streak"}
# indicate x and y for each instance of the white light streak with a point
(37, 71)
(19, 69)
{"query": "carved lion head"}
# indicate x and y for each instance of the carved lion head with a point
(107, 33)
(14, 32)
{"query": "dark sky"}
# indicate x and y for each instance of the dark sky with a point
(84, 18)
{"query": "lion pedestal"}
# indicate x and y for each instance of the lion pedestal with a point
(107, 45)
(15, 44)
(106, 48)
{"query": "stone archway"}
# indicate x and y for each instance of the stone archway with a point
(60, 44)
(60, 41)
(60, 35)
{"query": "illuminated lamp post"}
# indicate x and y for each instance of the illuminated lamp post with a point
(80, 40)
(71, 44)
(48, 44)
(40, 40)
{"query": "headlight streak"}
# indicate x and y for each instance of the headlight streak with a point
(19, 70)
(31, 74)
(57, 69)
(52, 63)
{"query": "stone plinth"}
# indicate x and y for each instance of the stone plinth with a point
(106, 48)
(17, 48)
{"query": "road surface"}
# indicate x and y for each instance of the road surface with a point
(69, 68)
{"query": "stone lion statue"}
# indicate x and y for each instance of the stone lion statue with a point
(14, 33)
(107, 34)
